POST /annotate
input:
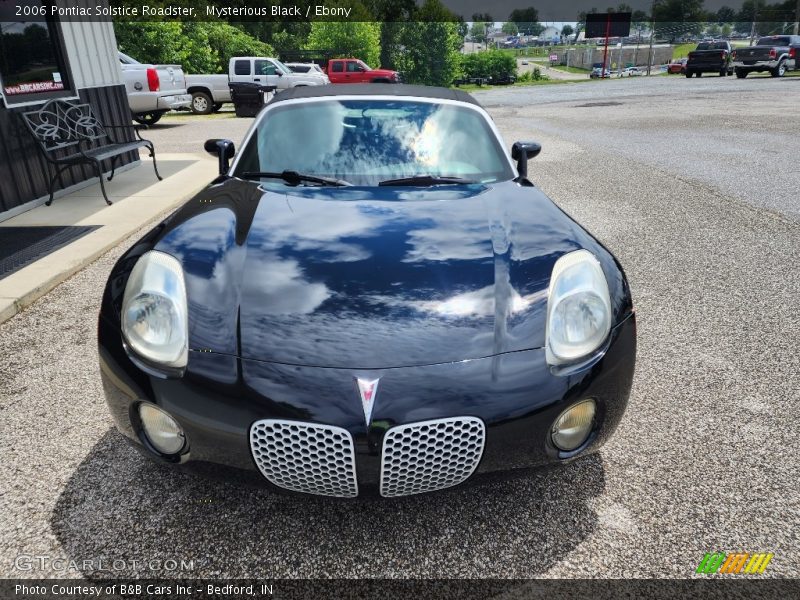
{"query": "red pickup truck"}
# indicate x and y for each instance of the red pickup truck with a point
(352, 70)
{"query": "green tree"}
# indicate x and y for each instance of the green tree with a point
(157, 42)
(725, 14)
(431, 46)
(391, 14)
(639, 19)
(347, 39)
(199, 47)
(497, 64)
(527, 20)
(478, 32)
(684, 16)
(463, 28)
(510, 28)
(227, 41)
(567, 30)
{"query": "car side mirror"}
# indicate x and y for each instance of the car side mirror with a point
(224, 150)
(279, 73)
(522, 152)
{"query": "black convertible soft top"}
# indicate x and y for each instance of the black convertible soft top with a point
(372, 89)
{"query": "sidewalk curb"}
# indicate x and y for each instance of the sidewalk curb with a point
(79, 254)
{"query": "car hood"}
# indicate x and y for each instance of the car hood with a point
(387, 72)
(370, 278)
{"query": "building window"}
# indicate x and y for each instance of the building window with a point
(32, 64)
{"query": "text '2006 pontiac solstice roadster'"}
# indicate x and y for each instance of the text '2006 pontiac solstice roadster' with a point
(371, 297)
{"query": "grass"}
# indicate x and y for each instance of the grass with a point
(567, 69)
(682, 50)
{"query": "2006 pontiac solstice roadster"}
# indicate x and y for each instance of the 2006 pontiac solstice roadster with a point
(372, 297)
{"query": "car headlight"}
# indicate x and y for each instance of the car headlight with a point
(154, 312)
(578, 308)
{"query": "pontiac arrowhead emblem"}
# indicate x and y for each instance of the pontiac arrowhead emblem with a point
(367, 389)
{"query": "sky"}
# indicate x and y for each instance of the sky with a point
(560, 11)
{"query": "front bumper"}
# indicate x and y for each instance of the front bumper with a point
(516, 395)
(174, 102)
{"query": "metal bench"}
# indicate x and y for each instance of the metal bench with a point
(69, 134)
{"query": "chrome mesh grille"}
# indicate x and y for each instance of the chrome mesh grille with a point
(430, 455)
(305, 457)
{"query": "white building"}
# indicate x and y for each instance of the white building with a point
(550, 34)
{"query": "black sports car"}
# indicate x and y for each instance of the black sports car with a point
(373, 296)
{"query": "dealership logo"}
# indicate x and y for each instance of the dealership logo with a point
(367, 389)
(737, 563)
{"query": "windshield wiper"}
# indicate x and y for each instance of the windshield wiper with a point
(294, 178)
(422, 180)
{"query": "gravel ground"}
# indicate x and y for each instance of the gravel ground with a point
(704, 459)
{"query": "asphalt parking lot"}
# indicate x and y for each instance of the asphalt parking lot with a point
(693, 184)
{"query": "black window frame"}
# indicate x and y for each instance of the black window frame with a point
(70, 89)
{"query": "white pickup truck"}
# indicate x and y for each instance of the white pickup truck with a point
(153, 90)
(210, 92)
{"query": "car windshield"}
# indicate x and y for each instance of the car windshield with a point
(367, 141)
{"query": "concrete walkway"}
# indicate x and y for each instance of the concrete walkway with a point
(138, 199)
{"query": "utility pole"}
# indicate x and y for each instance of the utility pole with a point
(652, 35)
(753, 26)
(605, 47)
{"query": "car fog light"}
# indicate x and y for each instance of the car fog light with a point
(573, 426)
(162, 430)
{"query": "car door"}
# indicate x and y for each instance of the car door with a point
(266, 72)
(337, 74)
(354, 72)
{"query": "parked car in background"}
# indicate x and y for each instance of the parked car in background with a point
(210, 92)
(353, 70)
(677, 66)
(305, 68)
(772, 53)
(632, 72)
(710, 57)
(597, 73)
(153, 90)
